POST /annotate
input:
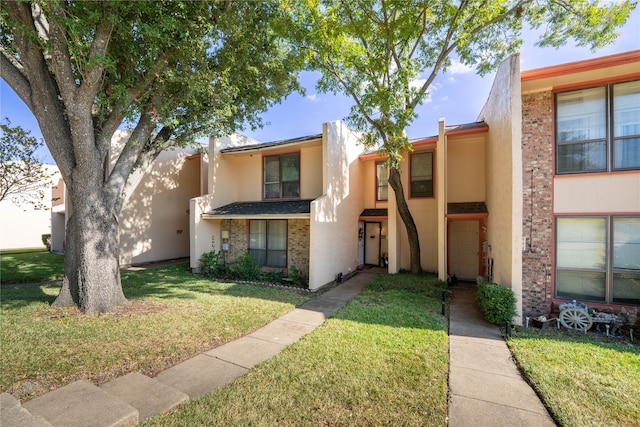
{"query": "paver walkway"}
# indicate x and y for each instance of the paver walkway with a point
(485, 386)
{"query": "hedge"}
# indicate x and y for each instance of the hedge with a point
(496, 302)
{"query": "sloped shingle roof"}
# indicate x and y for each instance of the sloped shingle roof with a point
(270, 207)
(374, 212)
(467, 208)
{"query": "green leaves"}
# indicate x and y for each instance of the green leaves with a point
(384, 54)
(23, 179)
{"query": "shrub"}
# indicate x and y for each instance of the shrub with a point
(296, 276)
(46, 240)
(496, 302)
(243, 267)
(273, 276)
(212, 264)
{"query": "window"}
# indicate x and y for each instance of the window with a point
(598, 124)
(598, 259)
(268, 242)
(282, 176)
(421, 175)
(382, 182)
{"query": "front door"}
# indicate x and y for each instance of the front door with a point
(372, 243)
(464, 249)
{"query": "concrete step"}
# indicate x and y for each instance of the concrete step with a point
(82, 404)
(12, 414)
(149, 396)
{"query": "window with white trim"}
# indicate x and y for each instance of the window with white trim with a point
(268, 242)
(282, 176)
(598, 259)
(598, 129)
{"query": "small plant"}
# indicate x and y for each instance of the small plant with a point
(296, 276)
(244, 267)
(496, 302)
(212, 264)
(273, 276)
(46, 240)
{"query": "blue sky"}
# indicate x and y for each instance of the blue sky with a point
(457, 96)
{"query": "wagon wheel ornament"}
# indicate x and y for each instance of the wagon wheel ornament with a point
(574, 318)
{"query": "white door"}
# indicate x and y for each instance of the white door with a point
(464, 249)
(372, 243)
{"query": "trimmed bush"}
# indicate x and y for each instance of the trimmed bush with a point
(496, 302)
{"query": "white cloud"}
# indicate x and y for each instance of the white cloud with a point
(444, 98)
(417, 83)
(458, 67)
(313, 97)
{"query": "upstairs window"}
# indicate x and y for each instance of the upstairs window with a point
(421, 184)
(382, 182)
(282, 176)
(598, 129)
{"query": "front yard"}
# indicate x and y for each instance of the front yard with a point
(172, 316)
(382, 360)
(584, 379)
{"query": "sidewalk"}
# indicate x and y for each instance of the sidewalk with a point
(485, 386)
(135, 397)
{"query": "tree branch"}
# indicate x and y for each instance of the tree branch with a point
(13, 73)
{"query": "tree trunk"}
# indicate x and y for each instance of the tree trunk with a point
(403, 209)
(91, 264)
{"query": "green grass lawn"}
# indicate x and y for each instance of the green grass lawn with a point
(381, 360)
(172, 316)
(584, 380)
(30, 266)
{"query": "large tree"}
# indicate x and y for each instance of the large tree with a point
(171, 70)
(23, 177)
(385, 54)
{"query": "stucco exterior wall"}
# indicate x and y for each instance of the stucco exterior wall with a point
(598, 193)
(334, 215)
(466, 172)
(154, 223)
(504, 177)
(22, 226)
(223, 189)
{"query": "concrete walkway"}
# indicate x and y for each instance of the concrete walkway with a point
(485, 386)
(135, 397)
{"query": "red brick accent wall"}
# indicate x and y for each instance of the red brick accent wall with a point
(537, 180)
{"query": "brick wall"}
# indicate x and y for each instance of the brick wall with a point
(238, 236)
(298, 245)
(537, 179)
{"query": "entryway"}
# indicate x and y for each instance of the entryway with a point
(464, 249)
(372, 232)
